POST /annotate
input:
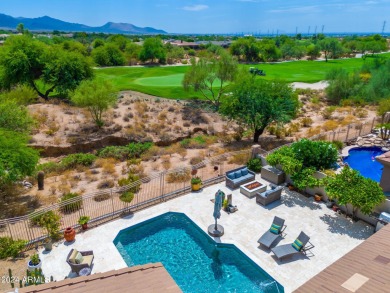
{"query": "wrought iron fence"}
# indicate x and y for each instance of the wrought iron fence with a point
(103, 206)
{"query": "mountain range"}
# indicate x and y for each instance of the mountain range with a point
(46, 23)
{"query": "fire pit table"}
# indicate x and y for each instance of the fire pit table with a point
(250, 189)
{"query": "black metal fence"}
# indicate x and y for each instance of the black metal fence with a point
(103, 206)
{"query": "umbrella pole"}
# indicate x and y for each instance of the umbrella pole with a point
(216, 227)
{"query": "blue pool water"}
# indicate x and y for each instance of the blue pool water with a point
(195, 261)
(363, 160)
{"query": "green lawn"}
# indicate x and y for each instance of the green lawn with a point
(166, 81)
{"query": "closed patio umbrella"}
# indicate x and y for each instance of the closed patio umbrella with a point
(217, 230)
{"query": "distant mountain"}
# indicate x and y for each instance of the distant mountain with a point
(46, 23)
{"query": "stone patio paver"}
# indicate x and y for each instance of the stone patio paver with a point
(332, 234)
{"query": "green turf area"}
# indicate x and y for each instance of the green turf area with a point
(166, 81)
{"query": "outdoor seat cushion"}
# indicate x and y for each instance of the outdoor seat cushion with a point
(266, 193)
(244, 171)
(297, 245)
(87, 259)
(242, 178)
(230, 176)
(79, 258)
(72, 257)
(237, 174)
(275, 229)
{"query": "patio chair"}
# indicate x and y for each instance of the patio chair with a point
(298, 246)
(269, 237)
(85, 262)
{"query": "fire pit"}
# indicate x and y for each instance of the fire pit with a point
(250, 189)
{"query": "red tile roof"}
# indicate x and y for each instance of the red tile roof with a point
(137, 279)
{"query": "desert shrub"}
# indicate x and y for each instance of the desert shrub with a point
(10, 247)
(36, 220)
(330, 125)
(338, 144)
(361, 113)
(102, 196)
(328, 112)
(349, 119)
(131, 178)
(117, 152)
(306, 121)
(106, 183)
(73, 206)
(127, 197)
(179, 176)
(254, 165)
(196, 160)
(294, 127)
(238, 159)
(50, 168)
(198, 142)
(137, 149)
(74, 160)
(313, 131)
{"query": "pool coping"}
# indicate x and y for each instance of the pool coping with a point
(218, 244)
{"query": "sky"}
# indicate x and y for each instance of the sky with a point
(216, 16)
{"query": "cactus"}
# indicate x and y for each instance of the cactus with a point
(41, 178)
(20, 284)
(10, 278)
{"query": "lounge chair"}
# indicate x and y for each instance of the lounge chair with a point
(298, 246)
(86, 260)
(269, 237)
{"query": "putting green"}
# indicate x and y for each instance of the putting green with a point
(173, 80)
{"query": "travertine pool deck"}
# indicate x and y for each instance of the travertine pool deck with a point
(332, 234)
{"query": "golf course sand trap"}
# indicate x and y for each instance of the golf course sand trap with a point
(313, 86)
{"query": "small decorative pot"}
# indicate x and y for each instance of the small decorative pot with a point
(32, 267)
(317, 197)
(69, 234)
(48, 245)
(194, 172)
(84, 226)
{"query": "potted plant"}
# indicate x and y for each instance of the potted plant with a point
(50, 221)
(196, 183)
(83, 221)
(34, 262)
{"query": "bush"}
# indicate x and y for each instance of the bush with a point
(254, 165)
(306, 121)
(37, 220)
(338, 144)
(106, 183)
(80, 159)
(317, 154)
(49, 168)
(102, 197)
(50, 221)
(117, 152)
(11, 248)
(73, 206)
(179, 176)
(127, 197)
(131, 178)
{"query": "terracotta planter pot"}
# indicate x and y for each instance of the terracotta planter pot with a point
(69, 234)
(317, 197)
(194, 172)
(84, 226)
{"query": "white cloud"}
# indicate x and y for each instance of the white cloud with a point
(198, 7)
(304, 9)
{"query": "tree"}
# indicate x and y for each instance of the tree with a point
(153, 49)
(95, 95)
(342, 85)
(313, 51)
(15, 117)
(349, 187)
(256, 103)
(17, 160)
(28, 61)
(108, 55)
(20, 28)
(331, 47)
(210, 77)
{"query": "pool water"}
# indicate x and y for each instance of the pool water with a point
(363, 160)
(195, 261)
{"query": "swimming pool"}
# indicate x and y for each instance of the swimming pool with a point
(363, 160)
(195, 261)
